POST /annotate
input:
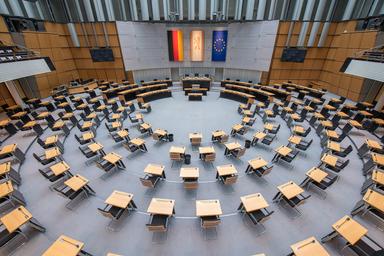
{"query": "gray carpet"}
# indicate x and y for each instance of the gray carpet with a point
(236, 235)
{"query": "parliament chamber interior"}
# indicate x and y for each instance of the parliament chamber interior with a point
(192, 127)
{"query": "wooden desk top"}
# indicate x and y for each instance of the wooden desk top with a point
(378, 158)
(367, 104)
(119, 199)
(87, 124)
(5, 167)
(246, 119)
(6, 188)
(16, 218)
(30, 124)
(88, 135)
(161, 206)
(115, 116)
(365, 113)
(290, 189)
(206, 150)
(374, 199)
(329, 107)
(20, 114)
(268, 126)
(309, 247)
(51, 139)
(58, 124)
(257, 163)
(137, 141)
(329, 159)
(63, 104)
(377, 176)
(332, 134)
(116, 124)
(160, 132)
(94, 147)
(112, 157)
(123, 133)
(91, 115)
(294, 139)
(333, 146)
(283, 150)
(13, 107)
(155, 169)
(44, 103)
(237, 127)
(254, 202)
(195, 135)
(326, 123)
(64, 246)
(139, 116)
(67, 115)
(59, 168)
(373, 144)
(350, 106)
(218, 133)
(208, 208)
(145, 126)
(8, 149)
(5, 122)
(350, 229)
(59, 97)
(232, 145)
(298, 129)
(189, 172)
(316, 174)
(295, 116)
(177, 150)
(259, 135)
(342, 114)
(76, 182)
(378, 121)
(52, 152)
(43, 115)
(336, 100)
(227, 169)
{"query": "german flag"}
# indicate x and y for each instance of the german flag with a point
(175, 45)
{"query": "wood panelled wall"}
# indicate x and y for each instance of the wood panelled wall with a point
(6, 97)
(322, 64)
(52, 43)
(71, 62)
(113, 71)
(345, 42)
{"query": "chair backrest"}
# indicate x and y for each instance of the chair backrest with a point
(210, 157)
(289, 122)
(347, 128)
(147, 183)
(105, 213)
(155, 136)
(156, 228)
(319, 129)
(240, 153)
(348, 150)
(224, 138)
(191, 184)
(230, 180)
(264, 118)
(210, 223)
(195, 141)
(175, 157)
(37, 157)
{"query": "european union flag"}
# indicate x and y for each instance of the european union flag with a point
(219, 45)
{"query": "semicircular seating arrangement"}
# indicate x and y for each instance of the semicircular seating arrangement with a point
(98, 170)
